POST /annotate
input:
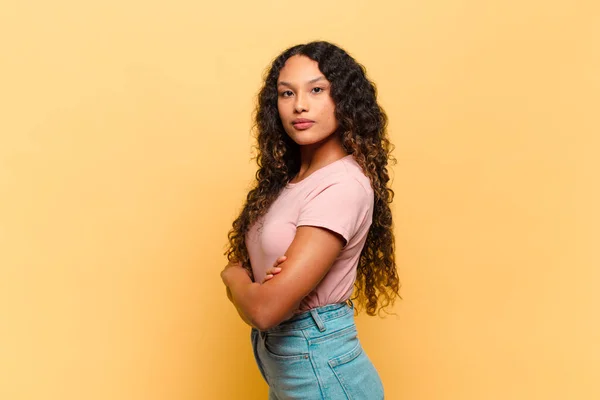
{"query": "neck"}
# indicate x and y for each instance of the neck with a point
(315, 156)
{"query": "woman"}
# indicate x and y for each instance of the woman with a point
(321, 200)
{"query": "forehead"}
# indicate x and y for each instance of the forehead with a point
(299, 68)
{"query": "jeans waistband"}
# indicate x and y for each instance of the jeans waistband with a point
(315, 317)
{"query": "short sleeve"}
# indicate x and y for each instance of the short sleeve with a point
(342, 206)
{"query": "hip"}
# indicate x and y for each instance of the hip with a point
(316, 354)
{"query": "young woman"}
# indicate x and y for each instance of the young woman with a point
(316, 225)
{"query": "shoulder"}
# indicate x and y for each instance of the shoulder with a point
(346, 179)
(353, 172)
(342, 201)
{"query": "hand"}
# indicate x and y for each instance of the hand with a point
(275, 269)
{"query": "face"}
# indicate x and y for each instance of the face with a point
(304, 101)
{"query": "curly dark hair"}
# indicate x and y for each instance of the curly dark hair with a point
(363, 129)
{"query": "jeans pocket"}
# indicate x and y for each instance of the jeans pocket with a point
(289, 368)
(357, 375)
(286, 347)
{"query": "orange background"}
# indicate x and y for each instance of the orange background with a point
(125, 156)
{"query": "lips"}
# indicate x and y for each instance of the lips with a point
(302, 124)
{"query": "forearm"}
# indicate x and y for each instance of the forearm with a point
(240, 313)
(243, 296)
(259, 304)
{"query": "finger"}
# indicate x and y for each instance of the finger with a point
(269, 276)
(273, 271)
(279, 260)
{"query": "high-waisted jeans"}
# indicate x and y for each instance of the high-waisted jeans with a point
(316, 355)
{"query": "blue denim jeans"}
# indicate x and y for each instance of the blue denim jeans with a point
(316, 355)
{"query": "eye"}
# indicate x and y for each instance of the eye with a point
(286, 93)
(318, 90)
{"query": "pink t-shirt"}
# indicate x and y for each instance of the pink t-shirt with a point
(338, 197)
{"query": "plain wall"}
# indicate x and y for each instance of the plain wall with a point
(125, 155)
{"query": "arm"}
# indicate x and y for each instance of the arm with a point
(242, 316)
(309, 258)
(270, 274)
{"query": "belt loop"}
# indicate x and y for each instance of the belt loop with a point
(350, 303)
(317, 319)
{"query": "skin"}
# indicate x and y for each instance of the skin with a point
(303, 93)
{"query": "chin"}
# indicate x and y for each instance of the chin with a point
(307, 139)
(305, 142)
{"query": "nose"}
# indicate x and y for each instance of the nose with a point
(301, 104)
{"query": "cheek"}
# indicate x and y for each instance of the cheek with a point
(283, 109)
(329, 114)
(330, 109)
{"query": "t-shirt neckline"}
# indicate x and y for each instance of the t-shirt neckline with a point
(317, 172)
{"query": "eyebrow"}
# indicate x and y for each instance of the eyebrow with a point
(282, 83)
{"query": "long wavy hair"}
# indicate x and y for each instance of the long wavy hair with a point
(363, 129)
